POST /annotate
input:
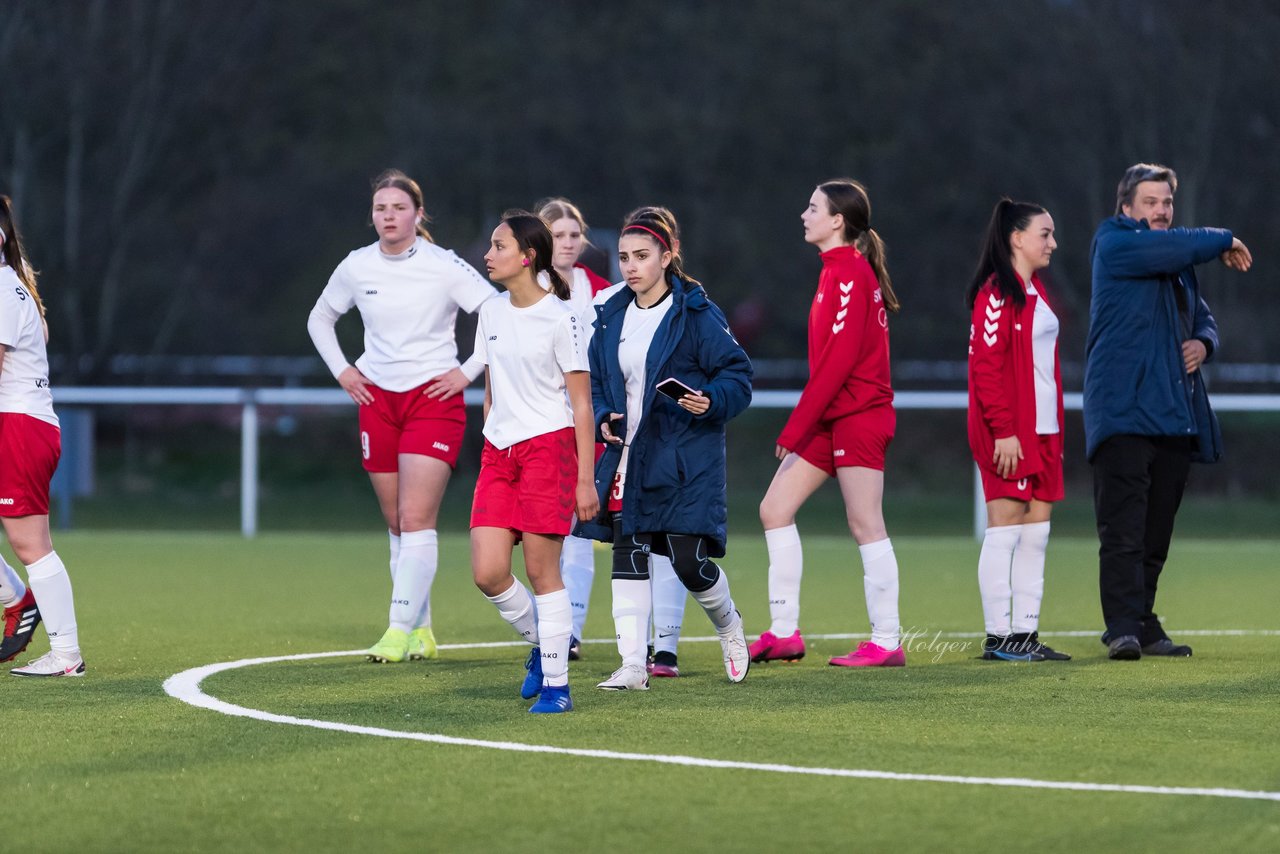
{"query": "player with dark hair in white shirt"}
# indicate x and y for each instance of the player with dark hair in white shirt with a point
(30, 445)
(536, 467)
(407, 384)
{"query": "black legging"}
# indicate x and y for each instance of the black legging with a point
(687, 553)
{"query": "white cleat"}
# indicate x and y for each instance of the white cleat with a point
(737, 657)
(52, 664)
(628, 677)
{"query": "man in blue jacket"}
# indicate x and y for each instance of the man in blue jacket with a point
(1146, 412)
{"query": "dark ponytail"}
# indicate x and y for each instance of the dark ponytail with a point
(848, 198)
(660, 226)
(14, 256)
(400, 181)
(532, 235)
(997, 259)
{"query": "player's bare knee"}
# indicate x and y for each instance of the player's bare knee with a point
(866, 530)
(772, 516)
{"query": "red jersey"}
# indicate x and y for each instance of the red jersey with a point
(597, 284)
(1002, 391)
(848, 346)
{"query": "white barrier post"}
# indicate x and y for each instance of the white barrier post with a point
(249, 469)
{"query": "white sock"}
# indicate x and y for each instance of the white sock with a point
(394, 541)
(786, 565)
(631, 602)
(578, 569)
(718, 604)
(1027, 576)
(11, 587)
(49, 582)
(555, 622)
(669, 596)
(415, 571)
(517, 607)
(880, 583)
(994, 563)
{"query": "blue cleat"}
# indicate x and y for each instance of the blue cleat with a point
(553, 701)
(533, 679)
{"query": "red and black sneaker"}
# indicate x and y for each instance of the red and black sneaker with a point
(20, 623)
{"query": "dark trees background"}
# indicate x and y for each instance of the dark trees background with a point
(189, 173)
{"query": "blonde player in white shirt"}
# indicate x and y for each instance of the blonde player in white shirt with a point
(30, 444)
(536, 467)
(569, 239)
(407, 383)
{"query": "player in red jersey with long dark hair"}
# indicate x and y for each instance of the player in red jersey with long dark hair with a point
(1015, 424)
(841, 428)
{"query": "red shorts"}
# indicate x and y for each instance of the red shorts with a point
(29, 452)
(1045, 485)
(409, 422)
(528, 487)
(860, 439)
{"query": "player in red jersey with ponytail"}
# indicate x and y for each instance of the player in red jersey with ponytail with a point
(841, 428)
(1015, 425)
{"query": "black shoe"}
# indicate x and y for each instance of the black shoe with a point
(1125, 648)
(989, 646)
(1166, 647)
(1016, 647)
(575, 649)
(20, 621)
(1048, 652)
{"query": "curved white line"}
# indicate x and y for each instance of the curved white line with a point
(185, 686)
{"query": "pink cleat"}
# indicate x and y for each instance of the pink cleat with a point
(869, 654)
(770, 647)
(663, 665)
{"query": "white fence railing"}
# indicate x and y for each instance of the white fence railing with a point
(250, 399)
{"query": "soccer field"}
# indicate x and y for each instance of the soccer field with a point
(1169, 755)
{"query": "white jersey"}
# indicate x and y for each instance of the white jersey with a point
(1044, 341)
(580, 299)
(528, 351)
(24, 376)
(639, 325)
(408, 303)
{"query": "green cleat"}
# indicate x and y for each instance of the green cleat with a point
(422, 644)
(393, 647)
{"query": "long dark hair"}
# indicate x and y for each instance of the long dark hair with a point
(659, 225)
(997, 259)
(14, 255)
(532, 235)
(400, 181)
(848, 198)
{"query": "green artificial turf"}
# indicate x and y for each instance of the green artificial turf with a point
(111, 763)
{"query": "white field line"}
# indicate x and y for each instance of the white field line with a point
(185, 686)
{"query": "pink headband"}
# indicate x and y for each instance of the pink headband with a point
(651, 231)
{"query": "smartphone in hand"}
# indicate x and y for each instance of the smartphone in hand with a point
(675, 389)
